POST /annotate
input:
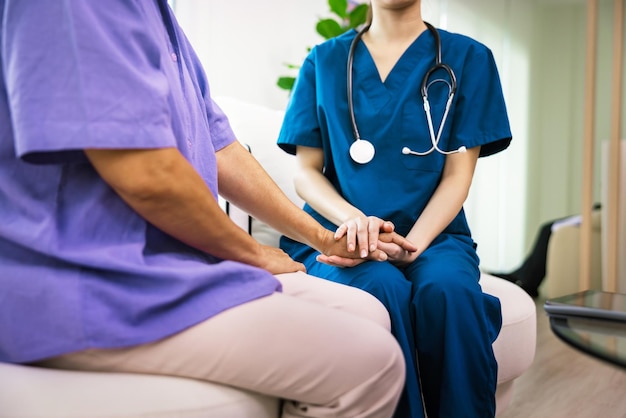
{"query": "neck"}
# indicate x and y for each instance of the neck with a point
(396, 24)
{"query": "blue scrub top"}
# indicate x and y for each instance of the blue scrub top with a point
(394, 186)
(79, 268)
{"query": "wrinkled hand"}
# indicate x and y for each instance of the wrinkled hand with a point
(276, 261)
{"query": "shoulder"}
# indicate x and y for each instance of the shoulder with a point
(336, 47)
(464, 53)
(462, 44)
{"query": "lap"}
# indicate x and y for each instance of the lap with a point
(335, 295)
(449, 261)
(278, 345)
(381, 279)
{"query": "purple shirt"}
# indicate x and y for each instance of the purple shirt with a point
(78, 268)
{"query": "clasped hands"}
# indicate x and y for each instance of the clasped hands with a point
(368, 238)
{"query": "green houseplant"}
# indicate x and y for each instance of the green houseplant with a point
(347, 14)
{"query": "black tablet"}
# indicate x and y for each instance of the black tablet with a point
(589, 304)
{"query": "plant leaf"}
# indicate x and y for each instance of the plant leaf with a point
(358, 15)
(291, 66)
(339, 7)
(286, 83)
(328, 28)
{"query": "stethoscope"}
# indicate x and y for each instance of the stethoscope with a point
(362, 151)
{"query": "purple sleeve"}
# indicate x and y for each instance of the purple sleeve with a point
(220, 129)
(85, 74)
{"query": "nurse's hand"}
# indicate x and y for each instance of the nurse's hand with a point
(353, 258)
(363, 233)
(397, 255)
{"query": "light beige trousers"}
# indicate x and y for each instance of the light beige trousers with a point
(323, 347)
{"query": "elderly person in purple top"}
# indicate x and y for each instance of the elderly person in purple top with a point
(114, 252)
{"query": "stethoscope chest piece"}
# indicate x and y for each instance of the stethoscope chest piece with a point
(362, 151)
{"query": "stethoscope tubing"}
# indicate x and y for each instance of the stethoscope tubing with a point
(355, 41)
(361, 150)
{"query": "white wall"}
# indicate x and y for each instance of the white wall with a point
(539, 49)
(244, 44)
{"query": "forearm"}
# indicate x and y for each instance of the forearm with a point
(321, 195)
(312, 186)
(447, 201)
(442, 208)
(163, 188)
(257, 194)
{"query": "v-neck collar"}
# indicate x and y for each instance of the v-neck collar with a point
(379, 93)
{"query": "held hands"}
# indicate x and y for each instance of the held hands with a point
(368, 238)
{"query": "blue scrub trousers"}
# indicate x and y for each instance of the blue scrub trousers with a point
(437, 307)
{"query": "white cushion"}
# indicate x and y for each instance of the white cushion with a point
(31, 392)
(515, 346)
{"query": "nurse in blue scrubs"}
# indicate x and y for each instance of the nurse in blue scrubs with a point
(372, 96)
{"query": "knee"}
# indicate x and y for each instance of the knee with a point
(397, 363)
(368, 306)
(386, 352)
(389, 364)
(378, 313)
(378, 377)
(446, 290)
(386, 283)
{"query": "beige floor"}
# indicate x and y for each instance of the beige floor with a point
(563, 382)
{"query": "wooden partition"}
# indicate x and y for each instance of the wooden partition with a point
(588, 144)
(615, 153)
(613, 186)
